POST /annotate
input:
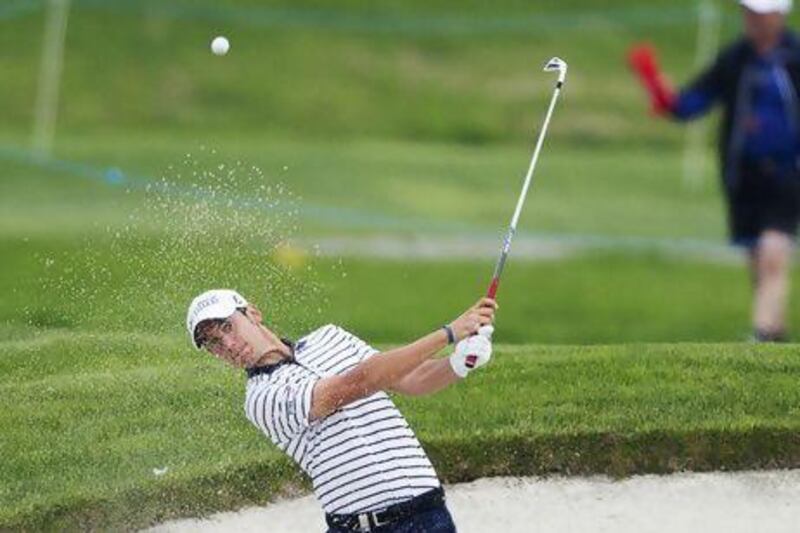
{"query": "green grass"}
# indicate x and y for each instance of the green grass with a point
(80, 252)
(96, 413)
(144, 286)
(405, 118)
(154, 71)
(373, 187)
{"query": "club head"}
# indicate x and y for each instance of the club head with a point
(557, 64)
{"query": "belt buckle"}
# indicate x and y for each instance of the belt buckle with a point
(368, 521)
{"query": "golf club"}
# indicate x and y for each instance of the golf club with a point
(555, 64)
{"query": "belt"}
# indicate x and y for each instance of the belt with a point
(370, 521)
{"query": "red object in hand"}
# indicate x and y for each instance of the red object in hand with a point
(642, 60)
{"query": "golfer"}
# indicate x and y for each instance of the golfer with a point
(323, 400)
(755, 80)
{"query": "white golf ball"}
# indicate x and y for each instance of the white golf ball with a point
(220, 46)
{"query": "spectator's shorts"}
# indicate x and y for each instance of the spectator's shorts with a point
(766, 197)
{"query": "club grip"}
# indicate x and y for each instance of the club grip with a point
(493, 288)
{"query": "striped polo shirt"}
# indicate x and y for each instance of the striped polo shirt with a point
(363, 457)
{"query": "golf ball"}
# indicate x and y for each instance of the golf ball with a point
(220, 46)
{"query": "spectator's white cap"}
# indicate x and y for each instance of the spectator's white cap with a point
(218, 303)
(767, 6)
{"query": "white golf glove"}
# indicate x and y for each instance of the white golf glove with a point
(472, 352)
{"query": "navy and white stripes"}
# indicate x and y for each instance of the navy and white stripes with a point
(363, 457)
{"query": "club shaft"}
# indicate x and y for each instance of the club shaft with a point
(535, 158)
(498, 270)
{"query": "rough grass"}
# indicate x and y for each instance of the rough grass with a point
(154, 70)
(93, 415)
(315, 73)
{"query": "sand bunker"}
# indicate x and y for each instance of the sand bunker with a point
(740, 502)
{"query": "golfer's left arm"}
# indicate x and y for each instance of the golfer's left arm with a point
(431, 376)
(434, 375)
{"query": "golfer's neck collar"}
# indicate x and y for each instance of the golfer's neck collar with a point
(269, 369)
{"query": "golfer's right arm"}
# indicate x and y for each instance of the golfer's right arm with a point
(380, 373)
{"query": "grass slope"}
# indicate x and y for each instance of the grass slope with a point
(94, 415)
(301, 75)
(449, 71)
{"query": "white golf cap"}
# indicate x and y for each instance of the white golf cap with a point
(767, 6)
(218, 303)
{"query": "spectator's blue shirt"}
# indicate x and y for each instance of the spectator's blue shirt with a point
(691, 103)
(768, 129)
(767, 120)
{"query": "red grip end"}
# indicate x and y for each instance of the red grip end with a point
(493, 288)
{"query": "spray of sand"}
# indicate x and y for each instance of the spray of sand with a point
(207, 223)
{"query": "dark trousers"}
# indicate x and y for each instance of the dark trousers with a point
(766, 197)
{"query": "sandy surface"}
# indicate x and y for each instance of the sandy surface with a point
(743, 502)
